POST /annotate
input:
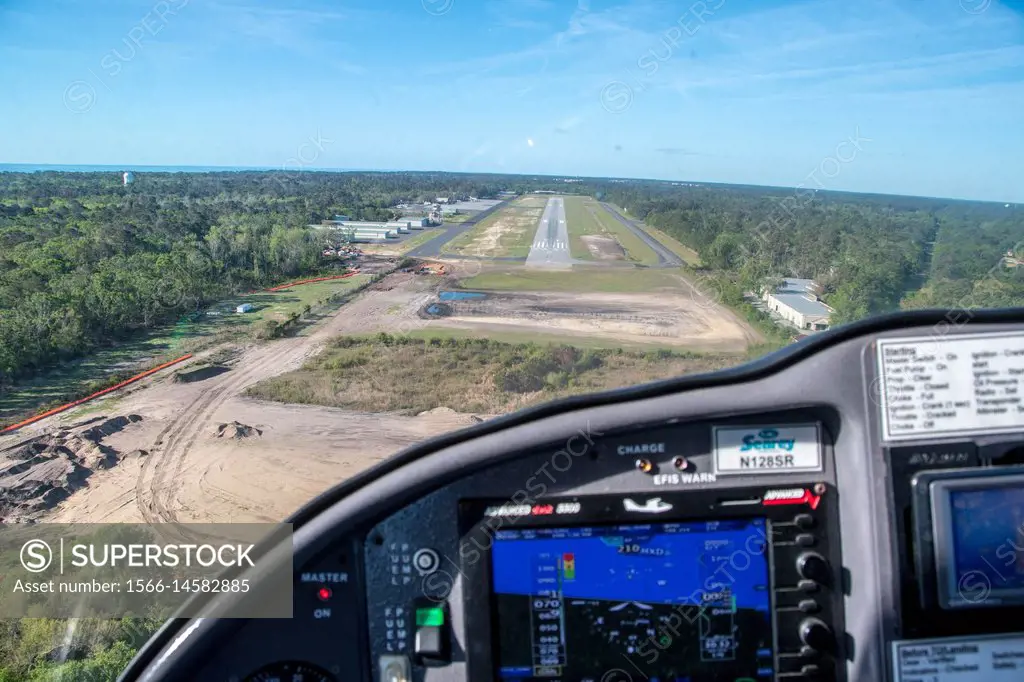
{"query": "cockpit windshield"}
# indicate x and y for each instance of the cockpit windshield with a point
(250, 249)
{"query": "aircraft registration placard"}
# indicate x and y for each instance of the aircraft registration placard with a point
(964, 384)
(766, 449)
(996, 658)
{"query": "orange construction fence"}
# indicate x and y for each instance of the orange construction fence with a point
(310, 281)
(86, 399)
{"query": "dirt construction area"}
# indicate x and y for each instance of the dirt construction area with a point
(631, 318)
(188, 446)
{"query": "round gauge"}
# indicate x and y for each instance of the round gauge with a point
(291, 671)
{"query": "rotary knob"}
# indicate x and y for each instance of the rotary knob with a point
(816, 634)
(813, 566)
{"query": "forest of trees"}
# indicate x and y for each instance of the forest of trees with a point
(872, 254)
(85, 261)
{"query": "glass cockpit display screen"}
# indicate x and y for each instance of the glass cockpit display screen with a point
(674, 601)
(984, 545)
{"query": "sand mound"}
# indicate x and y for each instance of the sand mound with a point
(450, 416)
(437, 411)
(38, 473)
(237, 430)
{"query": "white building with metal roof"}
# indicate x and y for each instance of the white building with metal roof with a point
(796, 302)
(411, 222)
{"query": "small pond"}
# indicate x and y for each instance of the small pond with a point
(460, 295)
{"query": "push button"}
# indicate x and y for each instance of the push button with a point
(805, 540)
(431, 633)
(804, 521)
(809, 606)
(807, 586)
(429, 642)
(808, 653)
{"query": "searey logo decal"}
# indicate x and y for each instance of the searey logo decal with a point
(791, 496)
(651, 506)
(767, 439)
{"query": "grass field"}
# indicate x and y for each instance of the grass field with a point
(610, 280)
(278, 305)
(546, 339)
(506, 233)
(585, 216)
(405, 374)
(689, 256)
(579, 223)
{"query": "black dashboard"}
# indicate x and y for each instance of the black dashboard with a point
(851, 508)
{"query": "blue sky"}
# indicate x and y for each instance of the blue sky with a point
(896, 96)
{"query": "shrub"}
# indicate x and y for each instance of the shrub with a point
(267, 329)
(104, 666)
(565, 356)
(517, 381)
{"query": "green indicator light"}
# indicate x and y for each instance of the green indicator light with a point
(432, 616)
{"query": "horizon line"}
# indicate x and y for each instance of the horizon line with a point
(57, 167)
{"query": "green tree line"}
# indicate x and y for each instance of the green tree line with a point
(871, 253)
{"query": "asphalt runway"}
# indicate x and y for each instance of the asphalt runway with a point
(550, 247)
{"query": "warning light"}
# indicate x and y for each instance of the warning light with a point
(324, 593)
(431, 616)
(542, 510)
(644, 465)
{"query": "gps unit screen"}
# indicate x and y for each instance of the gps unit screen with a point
(674, 601)
(988, 544)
